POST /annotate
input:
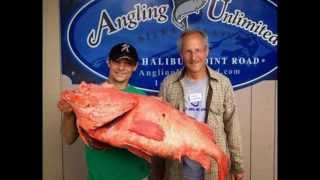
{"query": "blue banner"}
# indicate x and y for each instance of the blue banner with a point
(242, 35)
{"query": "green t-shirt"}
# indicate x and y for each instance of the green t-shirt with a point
(116, 163)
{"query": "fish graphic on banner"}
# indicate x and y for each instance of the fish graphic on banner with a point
(182, 9)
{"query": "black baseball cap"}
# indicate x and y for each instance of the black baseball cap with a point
(123, 50)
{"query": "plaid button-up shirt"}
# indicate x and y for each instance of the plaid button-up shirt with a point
(221, 117)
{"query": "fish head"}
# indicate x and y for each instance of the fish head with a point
(99, 103)
(82, 97)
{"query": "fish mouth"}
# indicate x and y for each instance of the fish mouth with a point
(93, 142)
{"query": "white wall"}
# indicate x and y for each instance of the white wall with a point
(52, 149)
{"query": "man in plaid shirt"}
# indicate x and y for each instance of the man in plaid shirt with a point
(208, 96)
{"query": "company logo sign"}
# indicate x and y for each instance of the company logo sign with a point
(242, 38)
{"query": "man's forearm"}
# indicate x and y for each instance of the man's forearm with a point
(69, 128)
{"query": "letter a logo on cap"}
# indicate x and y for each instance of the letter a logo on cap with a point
(125, 47)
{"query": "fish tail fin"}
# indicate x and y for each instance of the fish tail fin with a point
(222, 161)
(223, 167)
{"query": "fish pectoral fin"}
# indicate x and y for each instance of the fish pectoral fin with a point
(148, 129)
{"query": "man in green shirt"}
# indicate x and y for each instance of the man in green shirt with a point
(112, 163)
